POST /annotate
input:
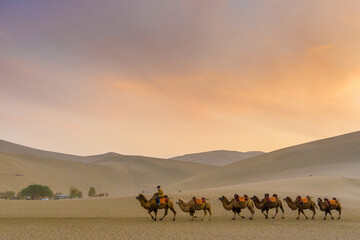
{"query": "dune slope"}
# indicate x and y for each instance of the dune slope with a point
(218, 157)
(336, 156)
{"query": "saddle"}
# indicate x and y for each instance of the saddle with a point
(271, 199)
(242, 199)
(302, 200)
(163, 200)
(331, 201)
(199, 201)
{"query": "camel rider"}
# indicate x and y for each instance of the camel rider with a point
(160, 194)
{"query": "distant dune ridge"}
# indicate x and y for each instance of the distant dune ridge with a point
(307, 167)
(114, 173)
(332, 157)
(217, 157)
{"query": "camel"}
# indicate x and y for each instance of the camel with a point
(328, 205)
(236, 206)
(151, 205)
(300, 205)
(192, 206)
(265, 205)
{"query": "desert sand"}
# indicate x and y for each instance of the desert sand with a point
(123, 218)
(324, 168)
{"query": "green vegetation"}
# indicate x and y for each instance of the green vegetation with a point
(36, 191)
(7, 194)
(75, 193)
(92, 192)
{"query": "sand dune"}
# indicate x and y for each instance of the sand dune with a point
(115, 174)
(123, 218)
(337, 156)
(217, 158)
(12, 148)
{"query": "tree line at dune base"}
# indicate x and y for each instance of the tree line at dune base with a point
(43, 192)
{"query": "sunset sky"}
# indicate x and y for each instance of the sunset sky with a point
(165, 78)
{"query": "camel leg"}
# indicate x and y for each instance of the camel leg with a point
(234, 215)
(326, 212)
(302, 211)
(174, 212)
(252, 213)
(210, 213)
(155, 211)
(149, 212)
(276, 212)
(339, 213)
(192, 215)
(298, 214)
(240, 215)
(282, 209)
(204, 214)
(266, 216)
(332, 218)
(166, 212)
(239, 212)
(314, 212)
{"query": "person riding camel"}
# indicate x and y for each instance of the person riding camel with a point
(160, 194)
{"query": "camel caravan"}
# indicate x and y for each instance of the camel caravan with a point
(238, 203)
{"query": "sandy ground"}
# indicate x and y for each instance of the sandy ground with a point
(123, 218)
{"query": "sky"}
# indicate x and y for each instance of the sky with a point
(164, 78)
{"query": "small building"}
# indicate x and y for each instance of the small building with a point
(61, 196)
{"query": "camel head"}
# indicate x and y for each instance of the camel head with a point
(141, 197)
(255, 198)
(287, 199)
(222, 198)
(319, 200)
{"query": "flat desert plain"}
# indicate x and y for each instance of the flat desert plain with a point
(124, 218)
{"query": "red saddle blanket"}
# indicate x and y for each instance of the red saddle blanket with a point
(331, 201)
(241, 199)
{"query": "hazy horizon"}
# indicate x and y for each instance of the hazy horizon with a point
(167, 78)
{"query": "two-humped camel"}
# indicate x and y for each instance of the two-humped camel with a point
(268, 203)
(236, 205)
(300, 204)
(195, 205)
(329, 204)
(151, 205)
